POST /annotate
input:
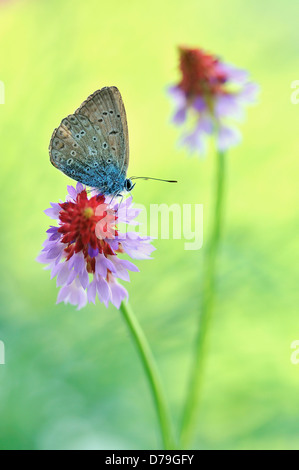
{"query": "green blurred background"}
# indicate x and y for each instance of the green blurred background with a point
(72, 379)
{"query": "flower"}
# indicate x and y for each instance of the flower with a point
(82, 250)
(209, 95)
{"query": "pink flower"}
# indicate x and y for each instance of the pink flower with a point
(82, 250)
(209, 96)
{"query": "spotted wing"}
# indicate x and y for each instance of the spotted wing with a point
(77, 149)
(106, 111)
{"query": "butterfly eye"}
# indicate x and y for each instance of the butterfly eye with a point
(75, 145)
(77, 136)
(105, 145)
(94, 138)
(69, 161)
(118, 115)
(73, 153)
(105, 113)
(82, 132)
(111, 112)
(95, 164)
(73, 172)
(128, 185)
(108, 160)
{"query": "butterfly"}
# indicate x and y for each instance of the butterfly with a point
(92, 145)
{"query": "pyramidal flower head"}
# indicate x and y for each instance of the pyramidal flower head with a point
(83, 248)
(209, 97)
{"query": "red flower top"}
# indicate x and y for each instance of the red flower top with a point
(85, 224)
(201, 73)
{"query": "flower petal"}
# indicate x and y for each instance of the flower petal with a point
(228, 137)
(92, 291)
(103, 289)
(118, 293)
(53, 212)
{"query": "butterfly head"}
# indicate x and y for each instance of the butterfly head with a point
(129, 185)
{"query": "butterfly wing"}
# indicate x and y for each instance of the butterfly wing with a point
(71, 152)
(105, 110)
(91, 146)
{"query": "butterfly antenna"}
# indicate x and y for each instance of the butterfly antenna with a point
(149, 178)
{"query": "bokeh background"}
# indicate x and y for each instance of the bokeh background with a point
(72, 379)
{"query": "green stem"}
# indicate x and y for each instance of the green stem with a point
(153, 375)
(208, 297)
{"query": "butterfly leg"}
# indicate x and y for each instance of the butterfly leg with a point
(117, 195)
(122, 198)
(113, 197)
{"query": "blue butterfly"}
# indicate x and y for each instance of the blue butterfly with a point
(92, 145)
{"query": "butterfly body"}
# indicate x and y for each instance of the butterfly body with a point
(92, 146)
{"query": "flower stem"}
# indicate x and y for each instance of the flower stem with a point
(208, 297)
(153, 375)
